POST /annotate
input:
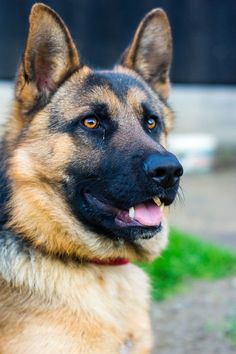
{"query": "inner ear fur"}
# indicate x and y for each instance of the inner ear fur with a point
(50, 56)
(150, 52)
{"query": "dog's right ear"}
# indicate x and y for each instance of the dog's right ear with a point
(50, 56)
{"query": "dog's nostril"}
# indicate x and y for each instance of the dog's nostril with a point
(159, 172)
(179, 172)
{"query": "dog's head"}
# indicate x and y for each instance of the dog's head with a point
(89, 169)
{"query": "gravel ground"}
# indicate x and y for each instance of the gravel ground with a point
(196, 322)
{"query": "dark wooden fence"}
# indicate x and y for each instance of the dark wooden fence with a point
(204, 34)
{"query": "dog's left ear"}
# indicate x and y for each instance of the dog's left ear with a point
(150, 52)
(50, 56)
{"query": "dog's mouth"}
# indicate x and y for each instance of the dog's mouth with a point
(145, 214)
(143, 220)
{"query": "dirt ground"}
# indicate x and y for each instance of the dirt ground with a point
(197, 321)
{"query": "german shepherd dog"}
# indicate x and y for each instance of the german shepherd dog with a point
(85, 179)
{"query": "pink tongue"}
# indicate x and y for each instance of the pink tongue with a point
(148, 214)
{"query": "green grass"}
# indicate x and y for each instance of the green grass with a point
(187, 258)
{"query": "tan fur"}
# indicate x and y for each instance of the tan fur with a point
(52, 299)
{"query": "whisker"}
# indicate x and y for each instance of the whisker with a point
(180, 196)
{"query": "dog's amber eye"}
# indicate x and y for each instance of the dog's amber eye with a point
(90, 122)
(151, 123)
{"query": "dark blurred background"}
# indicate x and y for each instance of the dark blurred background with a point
(204, 34)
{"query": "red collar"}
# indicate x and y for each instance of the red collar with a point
(110, 262)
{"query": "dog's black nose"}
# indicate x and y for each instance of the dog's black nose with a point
(165, 169)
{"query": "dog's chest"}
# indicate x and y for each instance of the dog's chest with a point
(105, 311)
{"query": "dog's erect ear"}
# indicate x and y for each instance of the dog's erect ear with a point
(150, 52)
(49, 57)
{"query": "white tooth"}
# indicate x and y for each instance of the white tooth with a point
(131, 212)
(157, 201)
(162, 207)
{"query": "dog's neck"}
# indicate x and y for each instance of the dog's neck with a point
(8, 238)
(63, 282)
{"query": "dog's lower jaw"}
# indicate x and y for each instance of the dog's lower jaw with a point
(62, 298)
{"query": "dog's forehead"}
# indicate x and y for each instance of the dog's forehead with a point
(115, 89)
(118, 93)
(118, 83)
